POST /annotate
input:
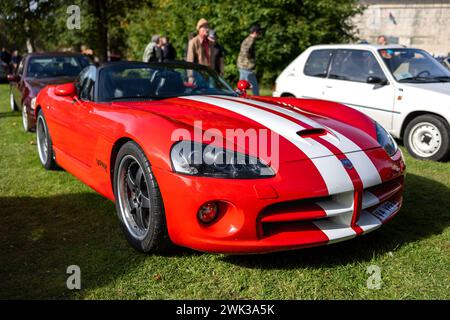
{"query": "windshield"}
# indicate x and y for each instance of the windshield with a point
(414, 65)
(139, 82)
(60, 66)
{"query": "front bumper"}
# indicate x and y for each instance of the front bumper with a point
(289, 211)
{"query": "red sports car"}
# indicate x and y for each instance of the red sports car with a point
(187, 160)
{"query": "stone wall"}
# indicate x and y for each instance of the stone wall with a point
(423, 24)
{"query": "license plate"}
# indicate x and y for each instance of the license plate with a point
(385, 210)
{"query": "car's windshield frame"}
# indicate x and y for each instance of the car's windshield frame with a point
(78, 59)
(123, 65)
(443, 77)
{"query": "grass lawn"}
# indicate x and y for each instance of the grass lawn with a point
(50, 220)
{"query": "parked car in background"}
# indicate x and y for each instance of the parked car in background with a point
(406, 90)
(35, 71)
(333, 174)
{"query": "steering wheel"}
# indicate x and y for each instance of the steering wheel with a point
(199, 89)
(424, 73)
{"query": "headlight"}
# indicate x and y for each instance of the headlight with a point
(385, 140)
(198, 159)
(33, 103)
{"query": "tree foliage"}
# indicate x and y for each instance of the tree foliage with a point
(24, 22)
(126, 26)
(290, 27)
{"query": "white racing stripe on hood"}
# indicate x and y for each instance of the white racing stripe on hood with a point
(361, 162)
(333, 173)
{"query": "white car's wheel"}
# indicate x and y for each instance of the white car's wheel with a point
(12, 103)
(427, 137)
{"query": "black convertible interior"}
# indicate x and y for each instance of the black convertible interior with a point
(137, 81)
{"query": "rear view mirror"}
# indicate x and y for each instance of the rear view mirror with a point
(376, 80)
(66, 90)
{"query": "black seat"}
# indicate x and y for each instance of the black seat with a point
(168, 83)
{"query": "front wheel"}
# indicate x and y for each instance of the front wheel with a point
(138, 201)
(427, 137)
(44, 143)
(25, 119)
(12, 103)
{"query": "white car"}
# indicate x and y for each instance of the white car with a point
(404, 89)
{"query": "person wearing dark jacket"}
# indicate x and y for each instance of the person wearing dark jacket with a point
(152, 51)
(168, 51)
(5, 56)
(218, 54)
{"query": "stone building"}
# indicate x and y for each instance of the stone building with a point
(415, 23)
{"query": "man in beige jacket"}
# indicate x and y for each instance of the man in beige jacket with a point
(201, 49)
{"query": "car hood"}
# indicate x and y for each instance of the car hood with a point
(301, 135)
(435, 87)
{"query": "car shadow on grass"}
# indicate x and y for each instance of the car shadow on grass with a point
(425, 213)
(9, 114)
(41, 237)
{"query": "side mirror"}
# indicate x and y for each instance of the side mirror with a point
(66, 90)
(13, 77)
(376, 80)
(243, 86)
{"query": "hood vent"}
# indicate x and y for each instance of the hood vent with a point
(314, 132)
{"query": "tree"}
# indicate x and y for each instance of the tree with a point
(108, 17)
(26, 21)
(290, 27)
(126, 26)
(41, 24)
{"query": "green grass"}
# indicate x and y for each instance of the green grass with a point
(49, 220)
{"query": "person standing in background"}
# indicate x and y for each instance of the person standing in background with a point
(200, 48)
(15, 60)
(5, 58)
(381, 40)
(247, 59)
(167, 49)
(218, 54)
(191, 35)
(153, 50)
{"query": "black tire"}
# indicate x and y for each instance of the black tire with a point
(287, 95)
(12, 103)
(150, 235)
(433, 127)
(44, 143)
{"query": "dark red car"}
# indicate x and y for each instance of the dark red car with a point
(35, 71)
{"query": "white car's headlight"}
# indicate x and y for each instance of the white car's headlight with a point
(385, 140)
(198, 159)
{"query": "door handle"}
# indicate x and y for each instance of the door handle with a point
(329, 87)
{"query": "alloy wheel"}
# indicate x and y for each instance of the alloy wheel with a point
(133, 197)
(25, 118)
(42, 140)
